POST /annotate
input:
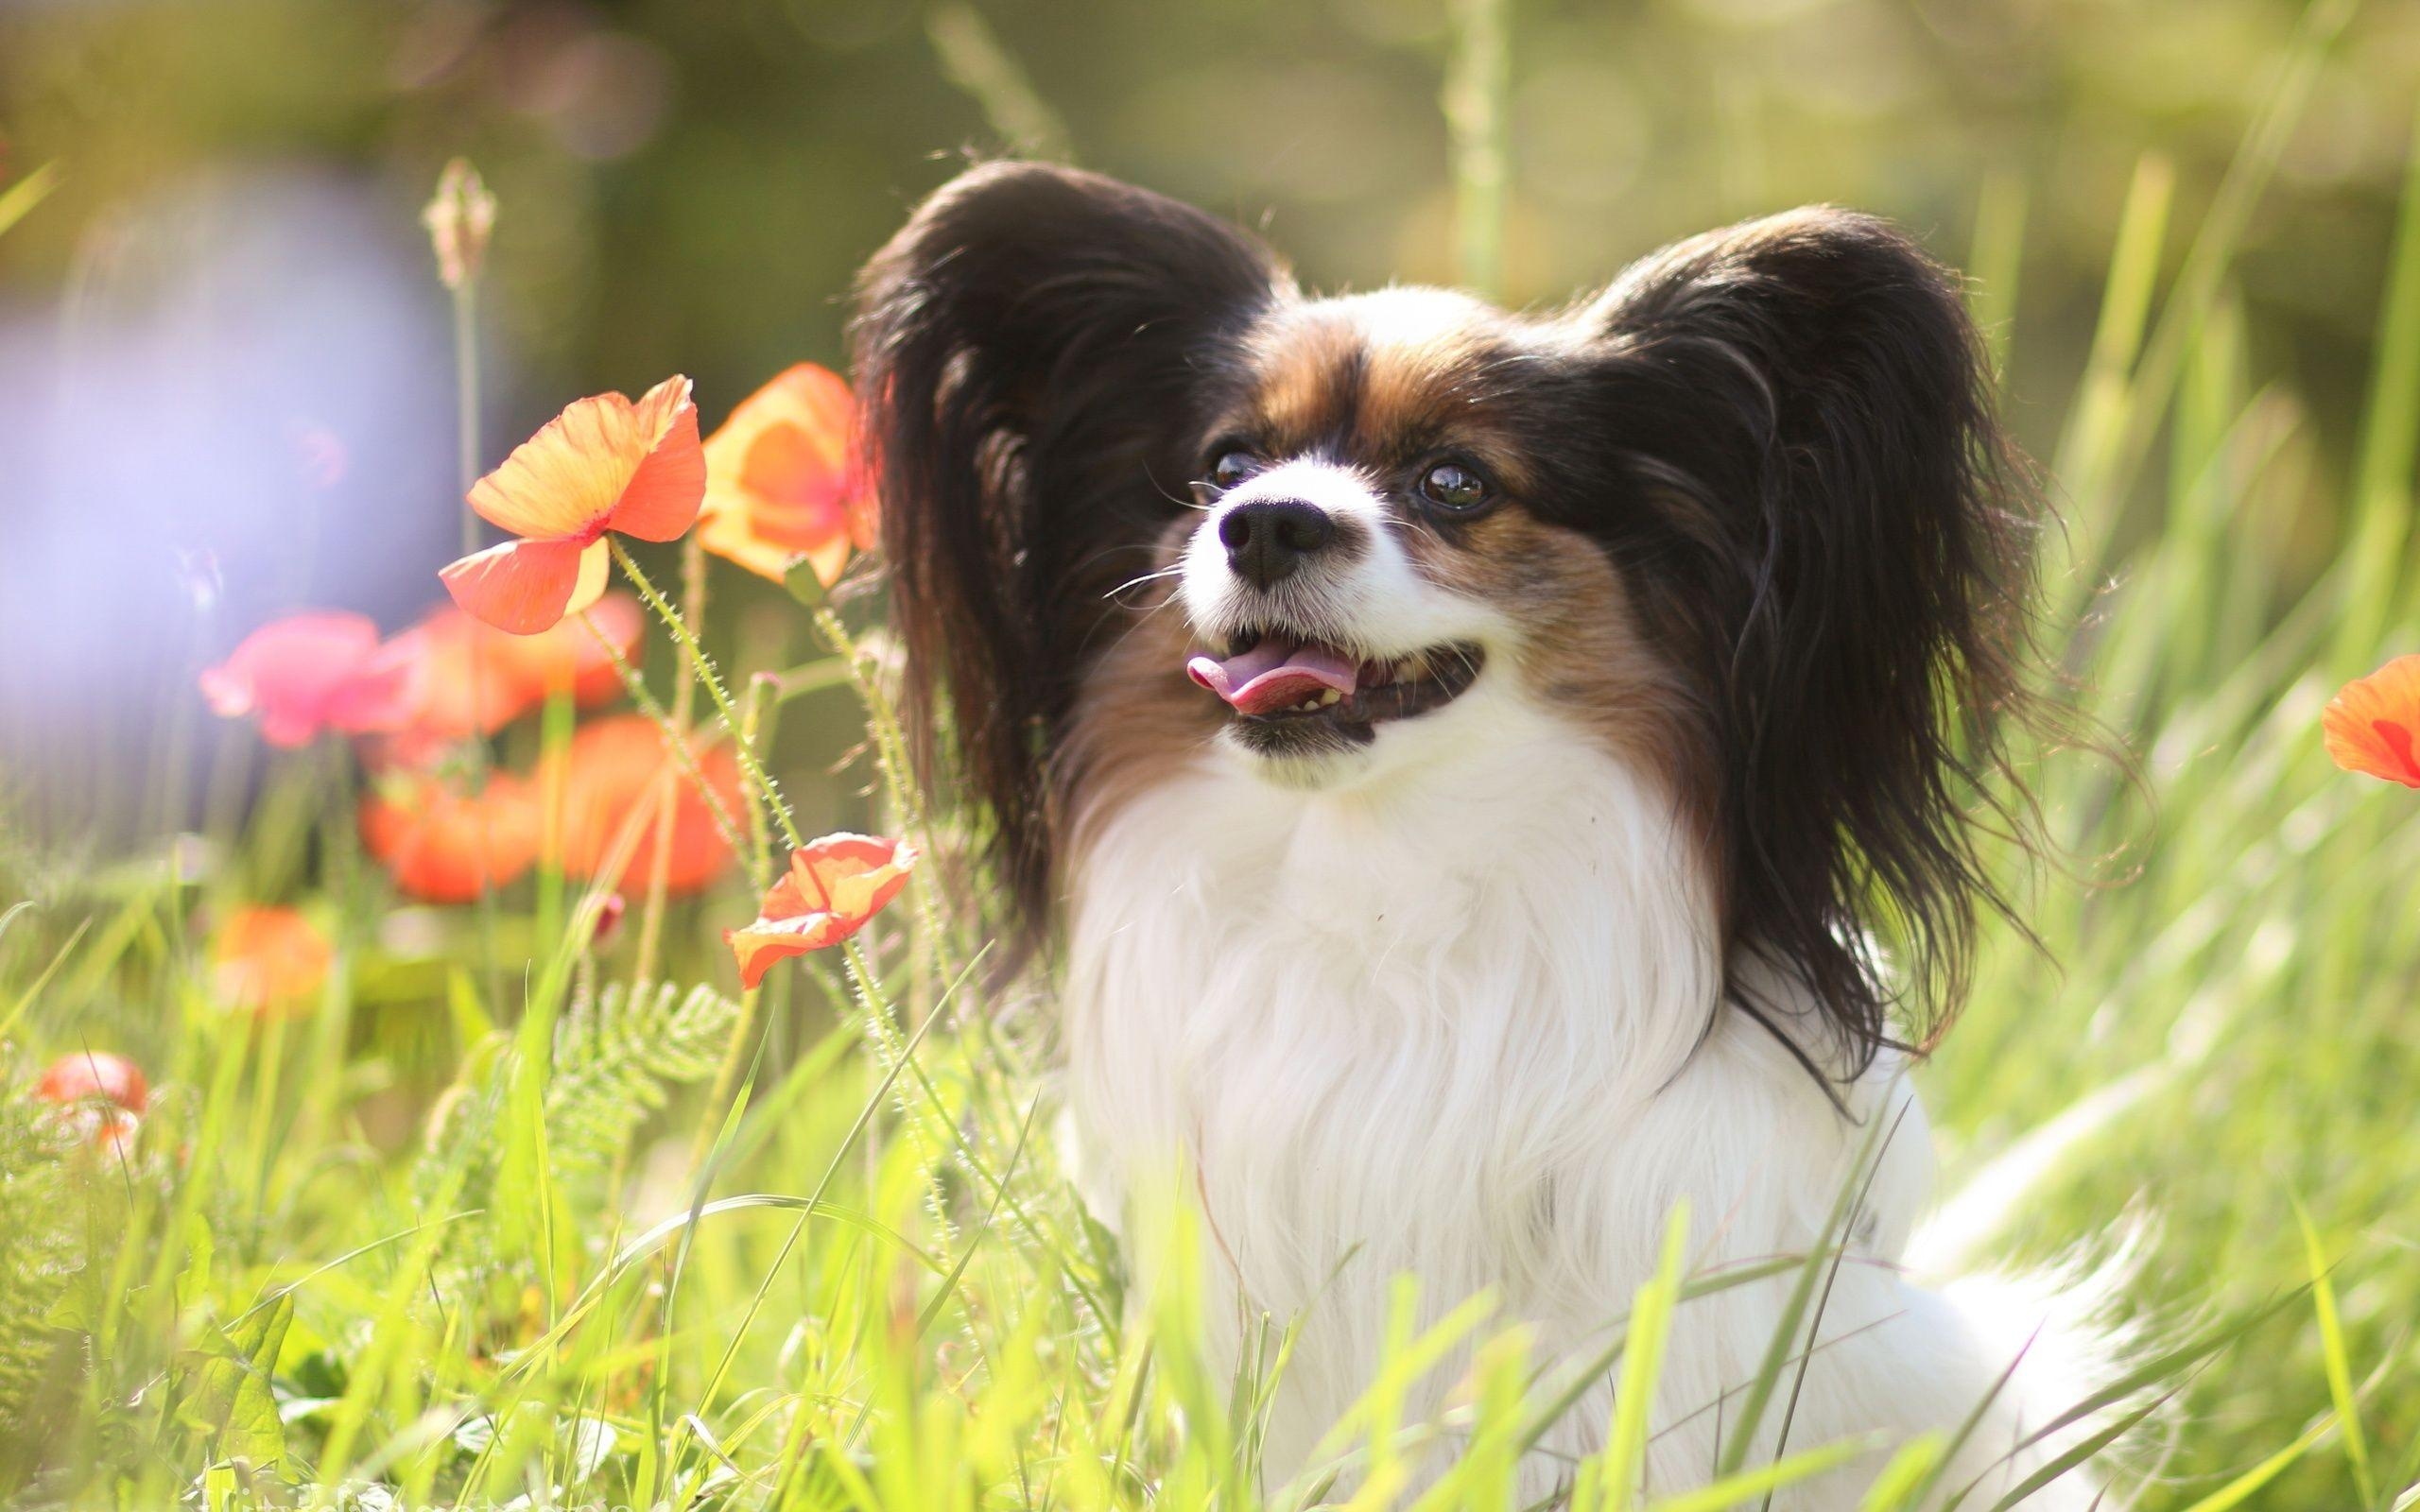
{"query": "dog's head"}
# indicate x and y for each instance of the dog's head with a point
(1743, 519)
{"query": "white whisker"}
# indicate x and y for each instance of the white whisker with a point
(1136, 582)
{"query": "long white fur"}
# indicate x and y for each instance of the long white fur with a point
(1443, 1007)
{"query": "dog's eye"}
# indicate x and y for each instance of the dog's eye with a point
(1454, 489)
(1232, 468)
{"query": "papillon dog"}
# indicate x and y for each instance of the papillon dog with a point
(1460, 763)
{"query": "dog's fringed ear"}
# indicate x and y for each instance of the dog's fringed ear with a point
(1024, 352)
(1805, 408)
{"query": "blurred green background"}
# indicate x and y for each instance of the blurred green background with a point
(693, 183)
(689, 186)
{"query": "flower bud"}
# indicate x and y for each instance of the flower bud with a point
(608, 922)
(461, 218)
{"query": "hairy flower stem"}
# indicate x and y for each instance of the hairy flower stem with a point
(898, 775)
(703, 666)
(893, 1048)
(762, 707)
(658, 876)
(464, 291)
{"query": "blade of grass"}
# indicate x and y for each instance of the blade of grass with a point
(1650, 1325)
(2235, 1491)
(1784, 1342)
(1762, 1482)
(18, 200)
(2340, 1369)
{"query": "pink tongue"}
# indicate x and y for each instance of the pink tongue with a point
(1274, 674)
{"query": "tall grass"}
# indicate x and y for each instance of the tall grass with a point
(555, 1235)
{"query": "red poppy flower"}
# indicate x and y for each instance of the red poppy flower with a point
(269, 960)
(781, 484)
(833, 887)
(312, 672)
(604, 464)
(2370, 724)
(95, 1074)
(102, 1095)
(616, 768)
(443, 846)
(475, 679)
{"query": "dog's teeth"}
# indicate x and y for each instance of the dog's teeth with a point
(1413, 668)
(1330, 698)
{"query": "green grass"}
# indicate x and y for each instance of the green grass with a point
(464, 1233)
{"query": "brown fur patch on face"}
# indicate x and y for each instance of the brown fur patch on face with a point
(1585, 650)
(1306, 370)
(1138, 720)
(1379, 380)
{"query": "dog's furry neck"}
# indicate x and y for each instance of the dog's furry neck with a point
(1413, 1022)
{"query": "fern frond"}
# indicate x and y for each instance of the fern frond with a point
(615, 1060)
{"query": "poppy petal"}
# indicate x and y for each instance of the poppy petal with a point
(524, 586)
(828, 559)
(780, 478)
(568, 659)
(382, 696)
(615, 773)
(268, 958)
(565, 480)
(595, 570)
(767, 942)
(307, 672)
(2371, 724)
(660, 502)
(446, 847)
(726, 532)
(812, 398)
(834, 887)
(469, 679)
(90, 1074)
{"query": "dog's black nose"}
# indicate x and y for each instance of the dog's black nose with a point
(1269, 537)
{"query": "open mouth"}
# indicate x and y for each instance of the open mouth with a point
(1274, 680)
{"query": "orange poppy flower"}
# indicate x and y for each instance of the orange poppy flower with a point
(568, 659)
(616, 768)
(443, 846)
(833, 887)
(475, 679)
(604, 464)
(269, 960)
(2370, 724)
(312, 672)
(781, 484)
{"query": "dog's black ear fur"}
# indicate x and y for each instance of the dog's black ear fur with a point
(1028, 350)
(1804, 406)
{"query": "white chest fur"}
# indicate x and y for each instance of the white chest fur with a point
(1456, 1023)
(1385, 1018)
